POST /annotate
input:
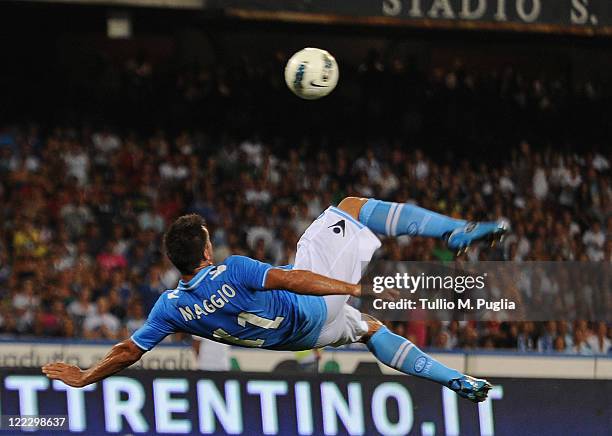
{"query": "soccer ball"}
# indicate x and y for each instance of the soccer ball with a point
(311, 73)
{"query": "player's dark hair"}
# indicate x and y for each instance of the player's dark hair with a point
(185, 241)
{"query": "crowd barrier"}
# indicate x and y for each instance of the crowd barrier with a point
(33, 354)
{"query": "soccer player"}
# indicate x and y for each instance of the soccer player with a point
(244, 302)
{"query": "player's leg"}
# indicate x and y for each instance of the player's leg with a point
(401, 354)
(337, 245)
(394, 219)
(349, 325)
(344, 324)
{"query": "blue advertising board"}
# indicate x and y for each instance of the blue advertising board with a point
(192, 402)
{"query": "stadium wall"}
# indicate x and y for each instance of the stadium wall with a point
(175, 357)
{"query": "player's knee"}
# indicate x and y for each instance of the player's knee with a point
(373, 326)
(352, 206)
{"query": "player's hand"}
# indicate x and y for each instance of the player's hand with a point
(356, 291)
(391, 295)
(70, 374)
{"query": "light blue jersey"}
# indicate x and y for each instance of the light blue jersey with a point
(228, 303)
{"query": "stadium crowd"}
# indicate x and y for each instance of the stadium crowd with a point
(84, 209)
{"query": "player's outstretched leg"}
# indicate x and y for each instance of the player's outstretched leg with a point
(401, 354)
(394, 219)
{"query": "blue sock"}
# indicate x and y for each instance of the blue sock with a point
(394, 219)
(401, 354)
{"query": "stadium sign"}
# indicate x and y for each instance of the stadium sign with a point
(163, 402)
(521, 11)
(574, 16)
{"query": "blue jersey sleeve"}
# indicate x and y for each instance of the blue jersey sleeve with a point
(155, 329)
(249, 272)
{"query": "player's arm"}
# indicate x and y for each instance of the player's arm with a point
(122, 355)
(119, 357)
(260, 276)
(309, 283)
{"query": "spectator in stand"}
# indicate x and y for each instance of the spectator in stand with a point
(136, 317)
(101, 324)
(581, 346)
(110, 258)
(54, 321)
(526, 341)
(598, 340)
(560, 346)
(25, 302)
(81, 308)
(594, 239)
(546, 341)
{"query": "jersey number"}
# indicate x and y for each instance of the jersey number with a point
(243, 319)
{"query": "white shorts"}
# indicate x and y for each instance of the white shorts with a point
(337, 246)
